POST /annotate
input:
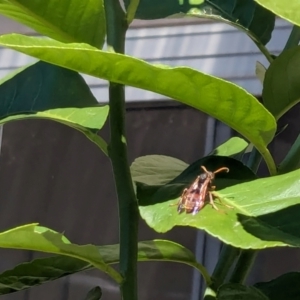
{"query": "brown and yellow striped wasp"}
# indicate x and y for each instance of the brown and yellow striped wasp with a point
(193, 198)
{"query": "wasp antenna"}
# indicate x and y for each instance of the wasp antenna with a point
(204, 169)
(221, 169)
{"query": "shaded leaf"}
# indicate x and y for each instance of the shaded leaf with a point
(286, 11)
(156, 169)
(265, 211)
(67, 21)
(94, 294)
(149, 193)
(256, 21)
(42, 86)
(220, 99)
(283, 287)
(39, 271)
(45, 91)
(235, 291)
(292, 161)
(234, 147)
(281, 85)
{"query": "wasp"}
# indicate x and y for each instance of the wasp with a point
(193, 198)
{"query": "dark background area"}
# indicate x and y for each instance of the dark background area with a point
(53, 175)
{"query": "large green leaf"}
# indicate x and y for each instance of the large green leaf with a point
(220, 99)
(265, 211)
(67, 21)
(38, 238)
(255, 20)
(40, 271)
(231, 291)
(281, 89)
(286, 10)
(284, 287)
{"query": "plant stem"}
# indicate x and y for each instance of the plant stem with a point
(294, 38)
(226, 260)
(243, 266)
(128, 206)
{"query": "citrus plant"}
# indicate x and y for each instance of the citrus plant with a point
(263, 212)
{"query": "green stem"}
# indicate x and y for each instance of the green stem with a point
(294, 38)
(128, 206)
(243, 266)
(226, 260)
(264, 51)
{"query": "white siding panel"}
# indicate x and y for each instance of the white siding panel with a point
(213, 48)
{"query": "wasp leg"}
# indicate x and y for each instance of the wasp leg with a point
(211, 201)
(181, 206)
(219, 198)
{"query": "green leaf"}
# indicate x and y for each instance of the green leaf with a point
(283, 287)
(289, 12)
(45, 91)
(281, 85)
(292, 161)
(88, 117)
(37, 238)
(131, 9)
(231, 291)
(216, 97)
(42, 86)
(94, 294)
(253, 19)
(156, 169)
(152, 192)
(67, 21)
(265, 211)
(40, 271)
(234, 147)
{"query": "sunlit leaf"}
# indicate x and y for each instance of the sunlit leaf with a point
(220, 99)
(264, 213)
(289, 11)
(38, 238)
(234, 147)
(67, 21)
